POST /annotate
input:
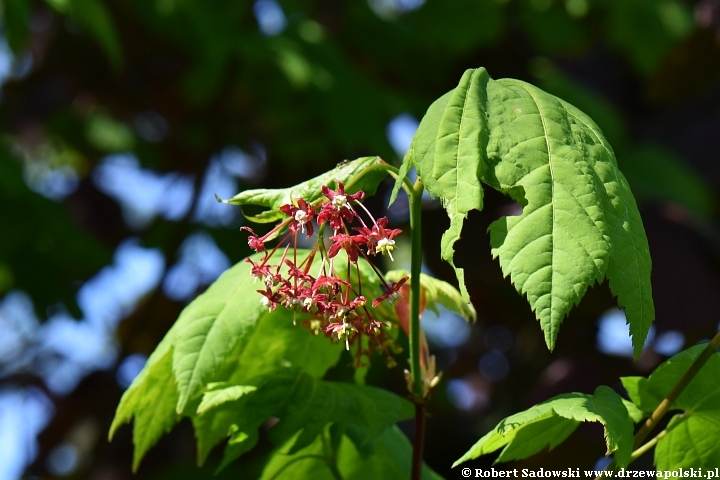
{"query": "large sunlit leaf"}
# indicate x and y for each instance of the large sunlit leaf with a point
(347, 172)
(691, 440)
(550, 423)
(579, 223)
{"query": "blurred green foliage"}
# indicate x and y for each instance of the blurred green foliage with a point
(87, 77)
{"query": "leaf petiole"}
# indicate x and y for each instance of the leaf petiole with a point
(641, 450)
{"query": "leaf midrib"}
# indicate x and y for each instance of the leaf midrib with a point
(552, 195)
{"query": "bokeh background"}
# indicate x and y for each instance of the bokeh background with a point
(120, 120)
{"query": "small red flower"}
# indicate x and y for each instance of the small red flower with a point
(270, 299)
(339, 198)
(338, 208)
(379, 238)
(255, 242)
(259, 271)
(302, 216)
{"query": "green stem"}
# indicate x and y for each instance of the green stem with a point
(393, 171)
(641, 450)
(667, 402)
(415, 267)
(414, 340)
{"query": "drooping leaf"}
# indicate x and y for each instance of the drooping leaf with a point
(310, 190)
(447, 153)
(551, 422)
(438, 292)
(579, 224)
(559, 246)
(691, 438)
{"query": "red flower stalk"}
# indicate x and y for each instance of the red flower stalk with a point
(350, 243)
(392, 294)
(255, 242)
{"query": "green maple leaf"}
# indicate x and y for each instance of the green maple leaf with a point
(579, 223)
(548, 424)
(361, 174)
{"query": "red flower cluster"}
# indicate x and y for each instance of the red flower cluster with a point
(334, 304)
